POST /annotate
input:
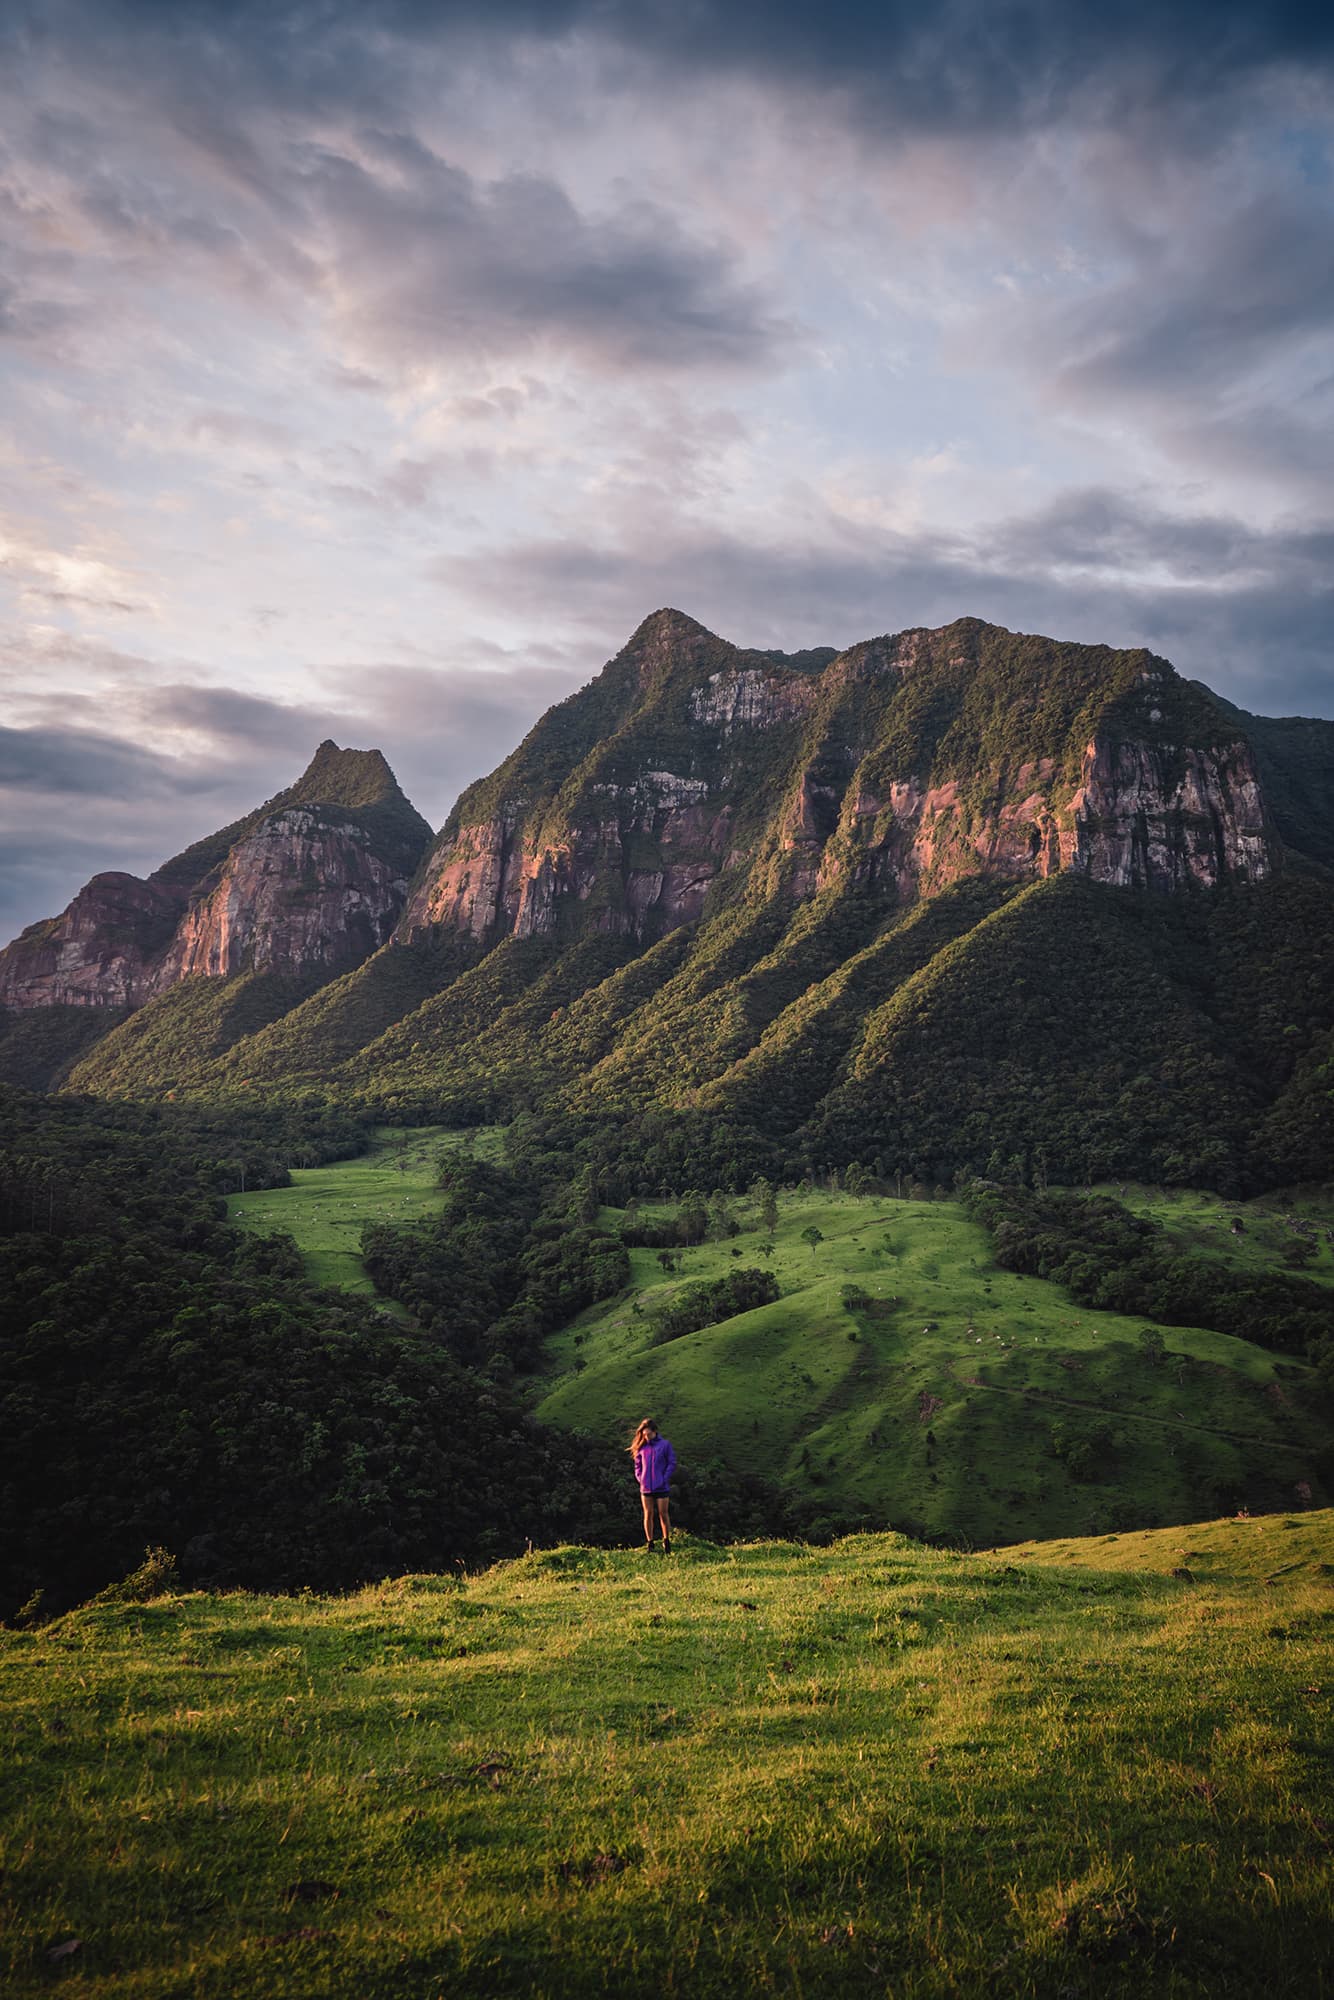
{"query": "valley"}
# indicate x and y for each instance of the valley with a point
(905, 1072)
(901, 1375)
(666, 774)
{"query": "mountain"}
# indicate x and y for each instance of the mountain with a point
(946, 898)
(909, 761)
(301, 889)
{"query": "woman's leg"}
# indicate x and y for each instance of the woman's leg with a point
(650, 1506)
(664, 1516)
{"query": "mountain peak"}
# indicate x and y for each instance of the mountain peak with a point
(669, 626)
(358, 781)
(337, 777)
(305, 894)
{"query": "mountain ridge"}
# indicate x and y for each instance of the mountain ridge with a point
(853, 900)
(924, 754)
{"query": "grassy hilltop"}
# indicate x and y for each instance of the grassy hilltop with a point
(1094, 1768)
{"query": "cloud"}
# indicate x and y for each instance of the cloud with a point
(1196, 326)
(79, 763)
(1126, 536)
(1221, 303)
(229, 720)
(412, 258)
(1217, 337)
(962, 65)
(1249, 612)
(423, 260)
(53, 576)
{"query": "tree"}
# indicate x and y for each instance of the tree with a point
(810, 1234)
(692, 1219)
(1152, 1346)
(722, 1222)
(766, 1202)
(584, 1197)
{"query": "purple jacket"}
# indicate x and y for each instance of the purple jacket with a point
(655, 1462)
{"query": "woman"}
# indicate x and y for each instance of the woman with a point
(655, 1462)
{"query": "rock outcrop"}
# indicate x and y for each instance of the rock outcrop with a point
(98, 952)
(310, 883)
(909, 762)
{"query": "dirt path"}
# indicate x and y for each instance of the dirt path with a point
(1045, 1400)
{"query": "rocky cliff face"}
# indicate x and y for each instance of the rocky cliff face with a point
(908, 762)
(306, 890)
(1136, 819)
(313, 881)
(689, 771)
(97, 953)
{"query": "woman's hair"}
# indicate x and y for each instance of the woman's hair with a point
(641, 1436)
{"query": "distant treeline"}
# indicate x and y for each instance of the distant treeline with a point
(696, 1306)
(1064, 1030)
(497, 1270)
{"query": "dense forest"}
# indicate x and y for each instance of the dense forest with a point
(1106, 1033)
(166, 1379)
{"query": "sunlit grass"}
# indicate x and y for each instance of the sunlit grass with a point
(1253, 1237)
(326, 1208)
(769, 1769)
(940, 1405)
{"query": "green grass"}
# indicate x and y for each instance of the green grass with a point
(326, 1208)
(966, 1403)
(957, 1408)
(870, 1769)
(1201, 1225)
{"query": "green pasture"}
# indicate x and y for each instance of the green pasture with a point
(1275, 1235)
(326, 1208)
(960, 1399)
(872, 1769)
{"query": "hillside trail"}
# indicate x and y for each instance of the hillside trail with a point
(1048, 1401)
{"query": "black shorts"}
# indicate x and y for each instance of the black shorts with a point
(658, 1493)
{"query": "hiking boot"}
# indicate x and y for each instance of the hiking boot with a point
(666, 1545)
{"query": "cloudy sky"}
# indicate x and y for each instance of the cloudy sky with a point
(370, 371)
